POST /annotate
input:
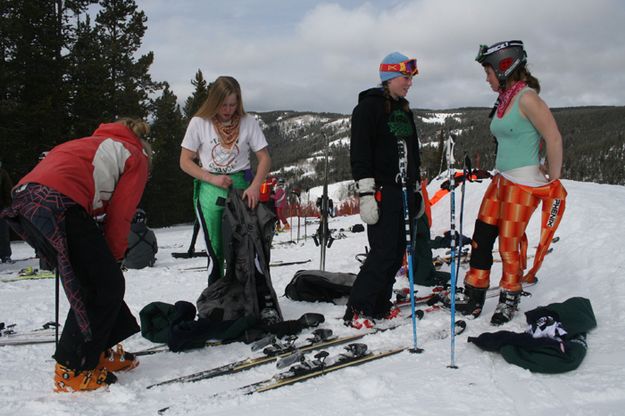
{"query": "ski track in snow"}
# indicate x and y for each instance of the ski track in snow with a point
(585, 262)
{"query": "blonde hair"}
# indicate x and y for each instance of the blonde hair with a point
(219, 90)
(141, 129)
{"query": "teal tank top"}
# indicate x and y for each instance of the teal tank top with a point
(517, 138)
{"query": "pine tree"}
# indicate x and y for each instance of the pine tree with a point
(120, 28)
(168, 197)
(87, 69)
(33, 93)
(193, 102)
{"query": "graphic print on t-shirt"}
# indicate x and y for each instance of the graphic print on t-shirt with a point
(222, 158)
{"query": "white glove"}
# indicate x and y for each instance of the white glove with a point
(368, 205)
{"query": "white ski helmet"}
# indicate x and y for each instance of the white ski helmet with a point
(503, 57)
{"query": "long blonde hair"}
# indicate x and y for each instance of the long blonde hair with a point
(218, 91)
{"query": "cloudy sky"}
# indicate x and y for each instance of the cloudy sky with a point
(317, 55)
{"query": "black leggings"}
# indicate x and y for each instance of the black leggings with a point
(373, 287)
(103, 285)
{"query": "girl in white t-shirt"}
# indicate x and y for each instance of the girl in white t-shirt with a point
(216, 152)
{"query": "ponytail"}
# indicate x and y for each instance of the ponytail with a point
(523, 74)
(139, 127)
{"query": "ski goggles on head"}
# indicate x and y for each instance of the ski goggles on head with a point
(486, 50)
(407, 68)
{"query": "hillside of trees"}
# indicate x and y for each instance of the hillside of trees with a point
(68, 66)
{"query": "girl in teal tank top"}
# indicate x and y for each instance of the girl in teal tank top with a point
(520, 120)
(518, 141)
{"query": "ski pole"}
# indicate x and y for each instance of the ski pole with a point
(403, 176)
(466, 171)
(452, 215)
(323, 235)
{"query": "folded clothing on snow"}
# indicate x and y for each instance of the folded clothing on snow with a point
(177, 326)
(555, 341)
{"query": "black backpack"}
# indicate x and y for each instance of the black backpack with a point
(319, 286)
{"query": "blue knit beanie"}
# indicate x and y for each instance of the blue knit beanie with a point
(392, 58)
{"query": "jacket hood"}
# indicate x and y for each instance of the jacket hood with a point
(371, 93)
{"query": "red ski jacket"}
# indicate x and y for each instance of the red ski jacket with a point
(105, 174)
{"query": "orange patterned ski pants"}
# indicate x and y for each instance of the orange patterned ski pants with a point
(508, 207)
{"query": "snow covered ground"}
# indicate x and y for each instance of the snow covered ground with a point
(587, 261)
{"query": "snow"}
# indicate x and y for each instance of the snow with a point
(439, 118)
(587, 261)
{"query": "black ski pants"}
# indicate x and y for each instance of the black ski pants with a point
(373, 287)
(103, 285)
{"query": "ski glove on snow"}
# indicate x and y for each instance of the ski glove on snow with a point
(368, 205)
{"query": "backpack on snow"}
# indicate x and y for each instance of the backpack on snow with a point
(319, 286)
(246, 289)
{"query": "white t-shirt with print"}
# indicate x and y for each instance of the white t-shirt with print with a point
(201, 137)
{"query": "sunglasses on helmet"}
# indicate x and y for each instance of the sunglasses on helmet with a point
(486, 50)
(407, 68)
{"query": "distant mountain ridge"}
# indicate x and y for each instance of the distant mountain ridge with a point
(594, 142)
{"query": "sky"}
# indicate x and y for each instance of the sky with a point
(310, 55)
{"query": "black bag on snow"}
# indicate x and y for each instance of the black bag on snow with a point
(319, 286)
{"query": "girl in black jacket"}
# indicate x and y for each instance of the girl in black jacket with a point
(380, 121)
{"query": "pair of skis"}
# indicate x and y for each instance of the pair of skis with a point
(302, 368)
(276, 350)
(9, 335)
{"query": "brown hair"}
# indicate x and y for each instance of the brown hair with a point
(523, 74)
(387, 104)
(218, 91)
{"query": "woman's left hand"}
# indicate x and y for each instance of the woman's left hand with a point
(252, 194)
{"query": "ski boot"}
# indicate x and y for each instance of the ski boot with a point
(508, 303)
(357, 319)
(472, 301)
(118, 360)
(67, 380)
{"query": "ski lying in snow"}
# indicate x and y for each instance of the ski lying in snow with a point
(440, 294)
(322, 338)
(288, 263)
(165, 348)
(10, 336)
(402, 296)
(529, 256)
(272, 264)
(301, 369)
(321, 364)
(189, 255)
(28, 273)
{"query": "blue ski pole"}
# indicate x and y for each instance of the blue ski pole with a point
(403, 178)
(452, 204)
